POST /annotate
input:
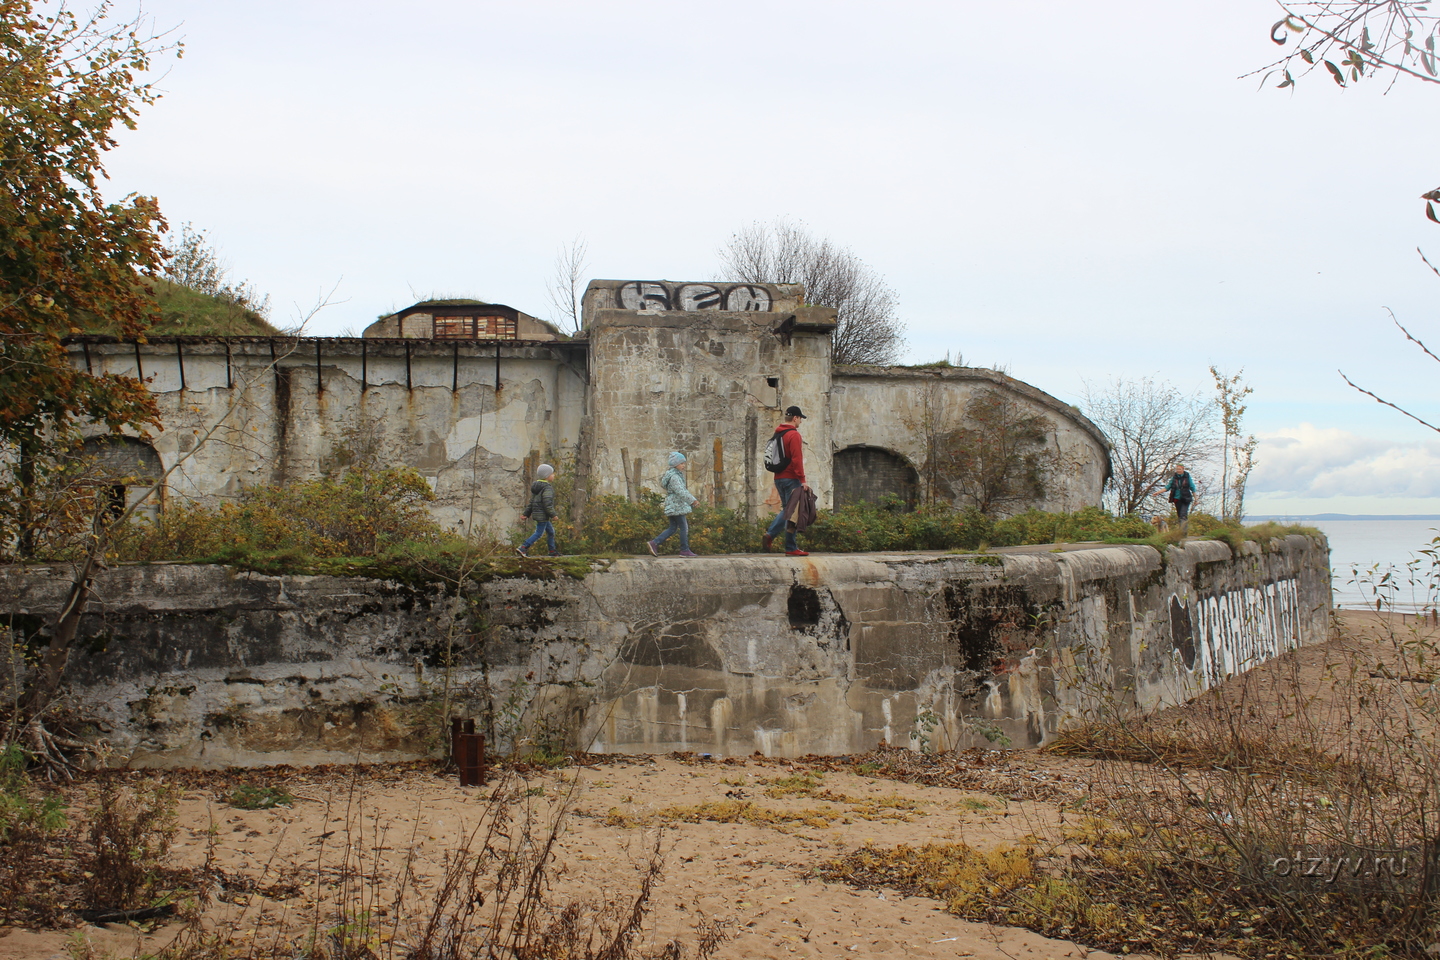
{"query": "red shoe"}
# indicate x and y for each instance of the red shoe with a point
(765, 542)
(796, 553)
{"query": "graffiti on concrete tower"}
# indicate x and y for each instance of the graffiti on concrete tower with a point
(643, 295)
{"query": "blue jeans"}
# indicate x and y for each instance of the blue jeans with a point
(787, 488)
(545, 527)
(681, 523)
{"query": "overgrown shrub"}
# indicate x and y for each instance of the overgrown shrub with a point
(30, 823)
(130, 837)
(358, 514)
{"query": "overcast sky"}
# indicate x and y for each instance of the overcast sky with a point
(1071, 191)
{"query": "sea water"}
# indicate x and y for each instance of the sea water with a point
(1363, 550)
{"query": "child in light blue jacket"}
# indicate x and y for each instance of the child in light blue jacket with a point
(678, 503)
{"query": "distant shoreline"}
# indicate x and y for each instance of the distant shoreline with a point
(1343, 516)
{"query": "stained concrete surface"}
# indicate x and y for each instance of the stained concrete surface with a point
(204, 665)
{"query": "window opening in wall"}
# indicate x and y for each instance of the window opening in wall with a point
(475, 328)
(126, 468)
(872, 475)
(773, 382)
(116, 507)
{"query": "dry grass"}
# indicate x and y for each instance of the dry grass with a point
(496, 894)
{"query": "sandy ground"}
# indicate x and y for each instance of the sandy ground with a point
(360, 836)
(754, 877)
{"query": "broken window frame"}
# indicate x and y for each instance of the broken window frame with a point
(472, 327)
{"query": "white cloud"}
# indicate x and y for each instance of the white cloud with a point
(1313, 462)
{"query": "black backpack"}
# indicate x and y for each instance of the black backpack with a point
(776, 457)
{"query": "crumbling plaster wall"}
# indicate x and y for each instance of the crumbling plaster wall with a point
(683, 380)
(891, 407)
(202, 665)
(430, 405)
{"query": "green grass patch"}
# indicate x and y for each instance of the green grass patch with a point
(250, 796)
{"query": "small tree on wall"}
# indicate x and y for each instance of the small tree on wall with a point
(998, 461)
(1237, 453)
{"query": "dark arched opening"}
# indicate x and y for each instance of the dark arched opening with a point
(874, 475)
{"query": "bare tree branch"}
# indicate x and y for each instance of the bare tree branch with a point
(1413, 339)
(868, 329)
(1152, 427)
(1379, 399)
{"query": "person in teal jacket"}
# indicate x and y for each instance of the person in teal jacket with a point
(678, 502)
(1181, 492)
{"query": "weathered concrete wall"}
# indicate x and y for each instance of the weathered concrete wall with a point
(432, 405)
(701, 382)
(200, 665)
(898, 408)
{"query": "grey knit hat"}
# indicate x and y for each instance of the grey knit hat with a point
(544, 471)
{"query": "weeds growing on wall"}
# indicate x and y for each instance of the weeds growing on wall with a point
(375, 522)
(614, 524)
(361, 513)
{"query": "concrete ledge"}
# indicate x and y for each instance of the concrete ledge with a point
(201, 665)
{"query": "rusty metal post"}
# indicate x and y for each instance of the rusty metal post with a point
(472, 759)
(719, 491)
(467, 748)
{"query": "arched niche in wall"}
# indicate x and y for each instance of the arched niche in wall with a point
(870, 473)
(129, 467)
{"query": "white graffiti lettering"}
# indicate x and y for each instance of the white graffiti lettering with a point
(1240, 629)
(648, 295)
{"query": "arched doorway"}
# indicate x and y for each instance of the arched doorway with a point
(869, 473)
(129, 467)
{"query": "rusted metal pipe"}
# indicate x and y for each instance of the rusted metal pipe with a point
(467, 748)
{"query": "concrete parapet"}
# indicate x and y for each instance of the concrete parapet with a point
(202, 665)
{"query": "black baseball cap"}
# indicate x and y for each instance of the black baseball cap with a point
(795, 412)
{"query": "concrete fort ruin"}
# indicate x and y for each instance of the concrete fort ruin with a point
(473, 395)
(206, 665)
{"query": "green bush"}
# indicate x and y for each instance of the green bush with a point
(21, 811)
(249, 796)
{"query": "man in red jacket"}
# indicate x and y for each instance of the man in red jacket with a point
(788, 481)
